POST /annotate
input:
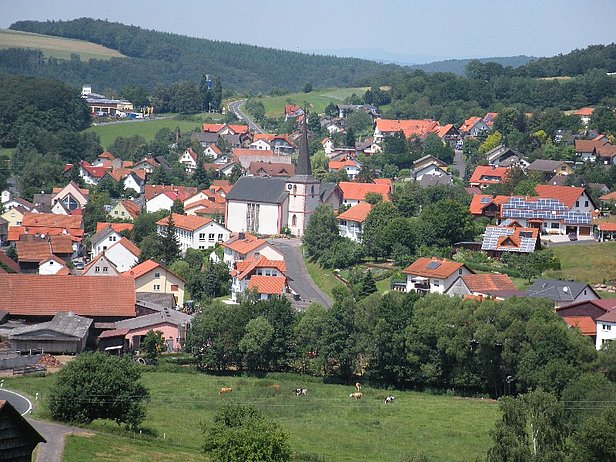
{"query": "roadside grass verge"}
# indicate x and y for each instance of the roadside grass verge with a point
(322, 277)
(325, 423)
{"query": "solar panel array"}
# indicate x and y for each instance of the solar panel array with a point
(485, 200)
(543, 209)
(493, 233)
(433, 265)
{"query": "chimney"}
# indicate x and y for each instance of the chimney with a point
(241, 236)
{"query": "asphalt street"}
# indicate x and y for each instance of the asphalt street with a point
(236, 108)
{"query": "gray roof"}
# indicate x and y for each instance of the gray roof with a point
(556, 290)
(206, 137)
(42, 199)
(428, 159)
(102, 234)
(66, 324)
(545, 165)
(169, 316)
(155, 300)
(493, 233)
(259, 189)
(435, 180)
(328, 189)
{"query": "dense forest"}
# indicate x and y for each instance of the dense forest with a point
(458, 66)
(158, 57)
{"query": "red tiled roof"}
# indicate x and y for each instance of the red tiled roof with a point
(51, 220)
(117, 227)
(128, 245)
(585, 324)
(145, 267)
(609, 197)
(607, 150)
(483, 283)
(420, 268)
(271, 169)
(386, 181)
(272, 285)
(95, 172)
(187, 222)
(610, 316)
(411, 127)
(589, 145)
(212, 128)
(215, 148)
(470, 123)
(238, 152)
(483, 174)
(238, 129)
(244, 268)
(479, 202)
(585, 111)
(358, 191)
(245, 245)
(489, 118)
(34, 251)
(566, 194)
(358, 213)
(106, 155)
(42, 295)
(205, 207)
(113, 333)
(338, 164)
(61, 244)
(607, 227)
(153, 190)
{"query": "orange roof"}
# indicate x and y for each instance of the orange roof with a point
(33, 251)
(411, 127)
(358, 191)
(212, 128)
(238, 129)
(107, 155)
(484, 283)
(566, 194)
(606, 150)
(206, 206)
(272, 285)
(607, 227)
(442, 131)
(357, 213)
(187, 222)
(153, 190)
(119, 173)
(117, 227)
(608, 197)
(485, 174)
(215, 148)
(470, 123)
(589, 145)
(245, 245)
(585, 111)
(263, 136)
(43, 295)
(15, 232)
(61, 244)
(489, 118)
(143, 268)
(585, 324)
(132, 208)
(245, 267)
(432, 268)
(51, 220)
(338, 164)
(238, 152)
(479, 202)
(386, 181)
(128, 245)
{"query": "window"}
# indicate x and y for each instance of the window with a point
(607, 327)
(202, 236)
(157, 287)
(112, 238)
(252, 217)
(220, 238)
(460, 271)
(268, 272)
(105, 269)
(294, 189)
(554, 225)
(211, 237)
(577, 203)
(294, 220)
(174, 288)
(157, 275)
(585, 203)
(201, 247)
(436, 282)
(343, 222)
(97, 269)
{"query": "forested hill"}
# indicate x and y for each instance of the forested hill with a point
(458, 66)
(162, 57)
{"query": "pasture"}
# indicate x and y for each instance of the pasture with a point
(56, 47)
(316, 100)
(323, 425)
(592, 263)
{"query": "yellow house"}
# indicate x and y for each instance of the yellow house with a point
(155, 278)
(14, 216)
(125, 210)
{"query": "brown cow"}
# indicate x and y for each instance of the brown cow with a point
(358, 386)
(225, 390)
(275, 386)
(356, 395)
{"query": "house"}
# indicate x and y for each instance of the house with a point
(354, 193)
(449, 135)
(435, 180)
(588, 150)
(104, 239)
(473, 126)
(153, 190)
(71, 196)
(271, 169)
(32, 250)
(225, 129)
(100, 105)
(194, 232)
(485, 286)
(100, 266)
(584, 114)
(292, 111)
(367, 147)
(269, 278)
(207, 208)
(260, 143)
(90, 174)
(18, 438)
(14, 202)
(51, 223)
(350, 222)
(148, 164)
(189, 160)
(412, 128)
(489, 118)
(53, 265)
(37, 297)
(502, 156)
(486, 175)
(211, 150)
(561, 292)
(150, 276)
(123, 255)
(549, 168)
(328, 145)
(606, 329)
(431, 275)
(172, 323)
(500, 239)
(429, 165)
(125, 210)
(243, 246)
(351, 167)
(584, 315)
(66, 333)
(14, 216)
(163, 197)
(117, 227)
(606, 231)
(246, 156)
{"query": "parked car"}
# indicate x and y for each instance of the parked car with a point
(573, 236)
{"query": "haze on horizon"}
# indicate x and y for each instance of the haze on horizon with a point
(405, 31)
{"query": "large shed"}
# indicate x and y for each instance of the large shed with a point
(66, 333)
(17, 437)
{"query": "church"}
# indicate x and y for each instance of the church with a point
(267, 206)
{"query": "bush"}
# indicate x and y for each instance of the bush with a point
(342, 254)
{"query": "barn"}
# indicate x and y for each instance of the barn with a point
(66, 333)
(17, 437)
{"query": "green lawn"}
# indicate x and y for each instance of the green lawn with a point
(317, 100)
(325, 423)
(7, 152)
(322, 277)
(592, 263)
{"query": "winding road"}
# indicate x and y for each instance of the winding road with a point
(236, 108)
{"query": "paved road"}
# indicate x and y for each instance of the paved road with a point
(301, 282)
(236, 108)
(20, 403)
(54, 434)
(459, 163)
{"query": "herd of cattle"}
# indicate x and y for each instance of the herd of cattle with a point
(304, 392)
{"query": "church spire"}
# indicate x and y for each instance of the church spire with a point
(303, 160)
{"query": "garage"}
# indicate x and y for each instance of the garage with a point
(584, 230)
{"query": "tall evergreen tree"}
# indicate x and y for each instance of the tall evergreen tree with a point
(169, 246)
(217, 95)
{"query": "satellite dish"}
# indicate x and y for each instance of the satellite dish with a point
(565, 289)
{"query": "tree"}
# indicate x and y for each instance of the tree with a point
(153, 344)
(338, 347)
(594, 441)
(532, 265)
(308, 88)
(177, 207)
(492, 141)
(169, 245)
(255, 345)
(377, 219)
(241, 432)
(94, 210)
(99, 386)
(448, 222)
(359, 121)
(321, 231)
(368, 284)
(217, 95)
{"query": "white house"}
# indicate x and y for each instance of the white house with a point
(104, 239)
(123, 254)
(354, 193)
(431, 275)
(350, 166)
(189, 160)
(195, 232)
(53, 265)
(100, 266)
(71, 196)
(243, 246)
(328, 146)
(162, 201)
(351, 221)
(429, 165)
(606, 328)
(474, 126)
(264, 276)
(135, 180)
(261, 145)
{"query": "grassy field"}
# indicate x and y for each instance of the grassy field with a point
(56, 47)
(325, 423)
(592, 263)
(316, 100)
(322, 277)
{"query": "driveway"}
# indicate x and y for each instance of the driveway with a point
(300, 282)
(459, 163)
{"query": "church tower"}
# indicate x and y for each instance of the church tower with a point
(304, 189)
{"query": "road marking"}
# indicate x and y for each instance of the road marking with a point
(22, 397)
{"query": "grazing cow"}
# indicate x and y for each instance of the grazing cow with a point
(389, 399)
(356, 395)
(225, 390)
(358, 386)
(300, 391)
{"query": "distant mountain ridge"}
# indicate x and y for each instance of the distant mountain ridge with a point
(457, 66)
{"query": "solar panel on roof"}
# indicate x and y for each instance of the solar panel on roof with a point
(526, 234)
(433, 265)
(485, 200)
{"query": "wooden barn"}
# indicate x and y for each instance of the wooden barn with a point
(17, 437)
(66, 333)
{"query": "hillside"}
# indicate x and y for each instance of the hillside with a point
(55, 47)
(157, 57)
(457, 66)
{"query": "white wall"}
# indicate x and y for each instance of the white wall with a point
(121, 258)
(350, 229)
(160, 202)
(104, 244)
(50, 267)
(269, 218)
(606, 332)
(438, 285)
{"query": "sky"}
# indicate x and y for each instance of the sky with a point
(405, 31)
